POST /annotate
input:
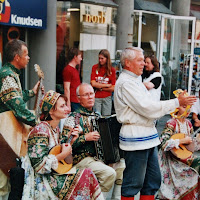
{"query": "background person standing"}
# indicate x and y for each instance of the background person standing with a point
(71, 78)
(103, 79)
(152, 78)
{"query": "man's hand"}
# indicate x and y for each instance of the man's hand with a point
(186, 100)
(92, 136)
(75, 134)
(35, 88)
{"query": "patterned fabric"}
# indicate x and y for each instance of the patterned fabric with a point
(12, 97)
(81, 148)
(40, 180)
(49, 100)
(180, 179)
(47, 103)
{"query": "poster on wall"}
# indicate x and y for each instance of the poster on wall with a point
(24, 13)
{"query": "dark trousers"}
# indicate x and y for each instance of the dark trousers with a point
(142, 173)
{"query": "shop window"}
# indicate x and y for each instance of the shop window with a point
(87, 9)
(104, 10)
(88, 27)
(67, 35)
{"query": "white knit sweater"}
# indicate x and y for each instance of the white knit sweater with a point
(137, 111)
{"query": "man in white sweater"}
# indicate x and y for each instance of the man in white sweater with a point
(136, 110)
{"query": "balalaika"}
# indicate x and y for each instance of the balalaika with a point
(107, 147)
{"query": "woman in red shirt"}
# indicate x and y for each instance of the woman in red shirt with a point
(103, 79)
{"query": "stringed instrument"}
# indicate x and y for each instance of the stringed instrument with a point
(39, 91)
(185, 150)
(66, 164)
(13, 137)
(63, 166)
(173, 114)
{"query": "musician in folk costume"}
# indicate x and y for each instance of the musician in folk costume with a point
(12, 98)
(180, 176)
(136, 110)
(84, 151)
(41, 182)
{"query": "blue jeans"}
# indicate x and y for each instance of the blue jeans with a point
(142, 173)
(103, 105)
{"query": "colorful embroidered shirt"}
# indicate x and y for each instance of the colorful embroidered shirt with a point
(81, 147)
(12, 97)
(41, 182)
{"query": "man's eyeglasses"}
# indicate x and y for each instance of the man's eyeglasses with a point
(91, 94)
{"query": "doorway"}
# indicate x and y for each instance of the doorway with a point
(171, 39)
(176, 53)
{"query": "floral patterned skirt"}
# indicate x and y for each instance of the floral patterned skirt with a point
(179, 181)
(81, 185)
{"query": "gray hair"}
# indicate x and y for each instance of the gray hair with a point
(78, 88)
(12, 48)
(129, 54)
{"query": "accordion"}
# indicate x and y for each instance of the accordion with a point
(109, 128)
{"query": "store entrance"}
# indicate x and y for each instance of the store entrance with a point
(176, 53)
(171, 39)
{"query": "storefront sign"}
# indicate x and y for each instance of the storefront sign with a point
(25, 13)
(94, 19)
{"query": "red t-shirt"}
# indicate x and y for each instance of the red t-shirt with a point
(98, 76)
(70, 74)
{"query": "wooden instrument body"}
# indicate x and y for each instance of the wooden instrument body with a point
(63, 167)
(13, 140)
(183, 151)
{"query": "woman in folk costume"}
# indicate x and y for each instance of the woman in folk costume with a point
(180, 177)
(41, 181)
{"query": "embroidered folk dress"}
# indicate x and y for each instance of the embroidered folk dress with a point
(12, 97)
(42, 183)
(81, 148)
(180, 179)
